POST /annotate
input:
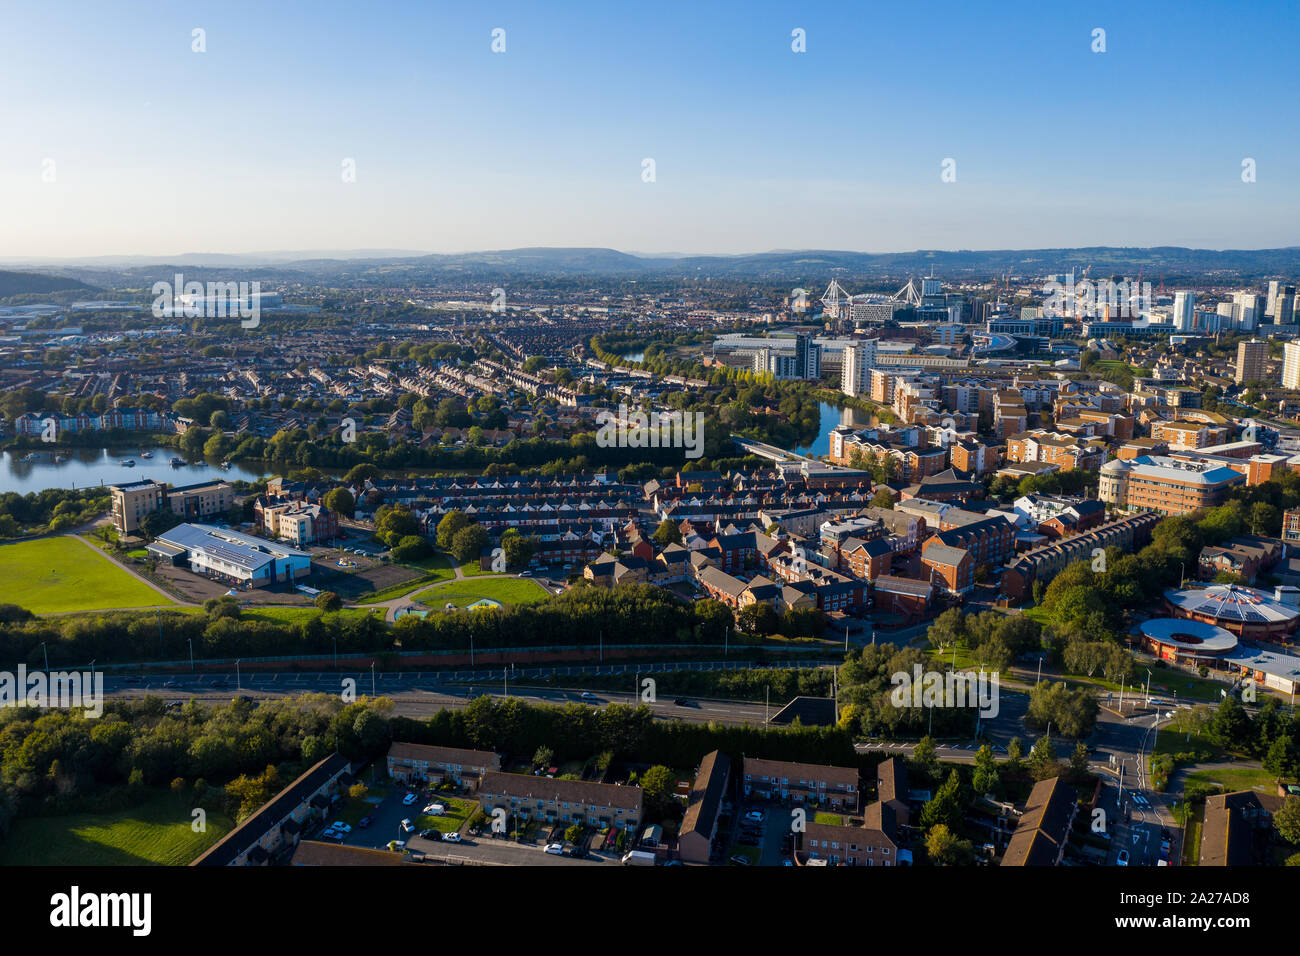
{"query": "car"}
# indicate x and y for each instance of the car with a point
(409, 799)
(587, 695)
(740, 860)
(365, 822)
(452, 837)
(331, 834)
(681, 702)
(755, 816)
(172, 683)
(1122, 859)
(340, 826)
(397, 846)
(435, 810)
(131, 680)
(555, 849)
(428, 834)
(407, 826)
(529, 574)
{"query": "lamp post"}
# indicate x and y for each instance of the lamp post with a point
(372, 680)
(190, 642)
(47, 665)
(237, 681)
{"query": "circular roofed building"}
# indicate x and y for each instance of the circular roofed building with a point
(1185, 641)
(1245, 612)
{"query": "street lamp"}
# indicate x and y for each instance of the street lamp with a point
(372, 680)
(190, 642)
(47, 667)
(237, 681)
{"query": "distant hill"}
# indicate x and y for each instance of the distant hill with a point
(858, 270)
(34, 283)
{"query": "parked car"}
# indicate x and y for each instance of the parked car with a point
(1122, 859)
(407, 826)
(409, 799)
(340, 826)
(452, 837)
(365, 822)
(741, 860)
(435, 810)
(754, 815)
(555, 849)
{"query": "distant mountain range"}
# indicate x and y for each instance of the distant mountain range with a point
(378, 267)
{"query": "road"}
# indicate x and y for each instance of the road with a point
(420, 695)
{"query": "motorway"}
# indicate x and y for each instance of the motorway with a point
(422, 695)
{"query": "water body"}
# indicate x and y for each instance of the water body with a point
(634, 356)
(101, 466)
(832, 417)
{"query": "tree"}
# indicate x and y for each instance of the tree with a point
(328, 601)
(883, 498)
(945, 807)
(925, 759)
(341, 502)
(543, 757)
(1287, 820)
(467, 543)
(945, 848)
(757, 618)
(985, 779)
(667, 533)
(657, 787)
(518, 549)
(1043, 764)
(451, 523)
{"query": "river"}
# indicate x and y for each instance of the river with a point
(832, 417)
(100, 466)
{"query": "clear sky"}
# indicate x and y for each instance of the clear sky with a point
(160, 150)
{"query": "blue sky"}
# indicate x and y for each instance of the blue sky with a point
(160, 150)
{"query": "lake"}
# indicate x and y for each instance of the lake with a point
(634, 356)
(99, 466)
(832, 417)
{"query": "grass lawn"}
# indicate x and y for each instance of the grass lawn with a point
(458, 811)
(833, 819)
(436, 565)
(1235, 778)
(464, 593)
(470, 569)
(50, 575)
(1179, 736)
(155, 833)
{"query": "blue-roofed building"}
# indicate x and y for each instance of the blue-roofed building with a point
(231, 557)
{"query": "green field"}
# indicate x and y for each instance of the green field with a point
(289, 615)
(463, 593)
(155, 833)
(49, 575)
(458, 811)
(1235, 778)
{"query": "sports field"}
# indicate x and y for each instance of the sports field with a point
(158, 832)
(49, 575)
(464, 593)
